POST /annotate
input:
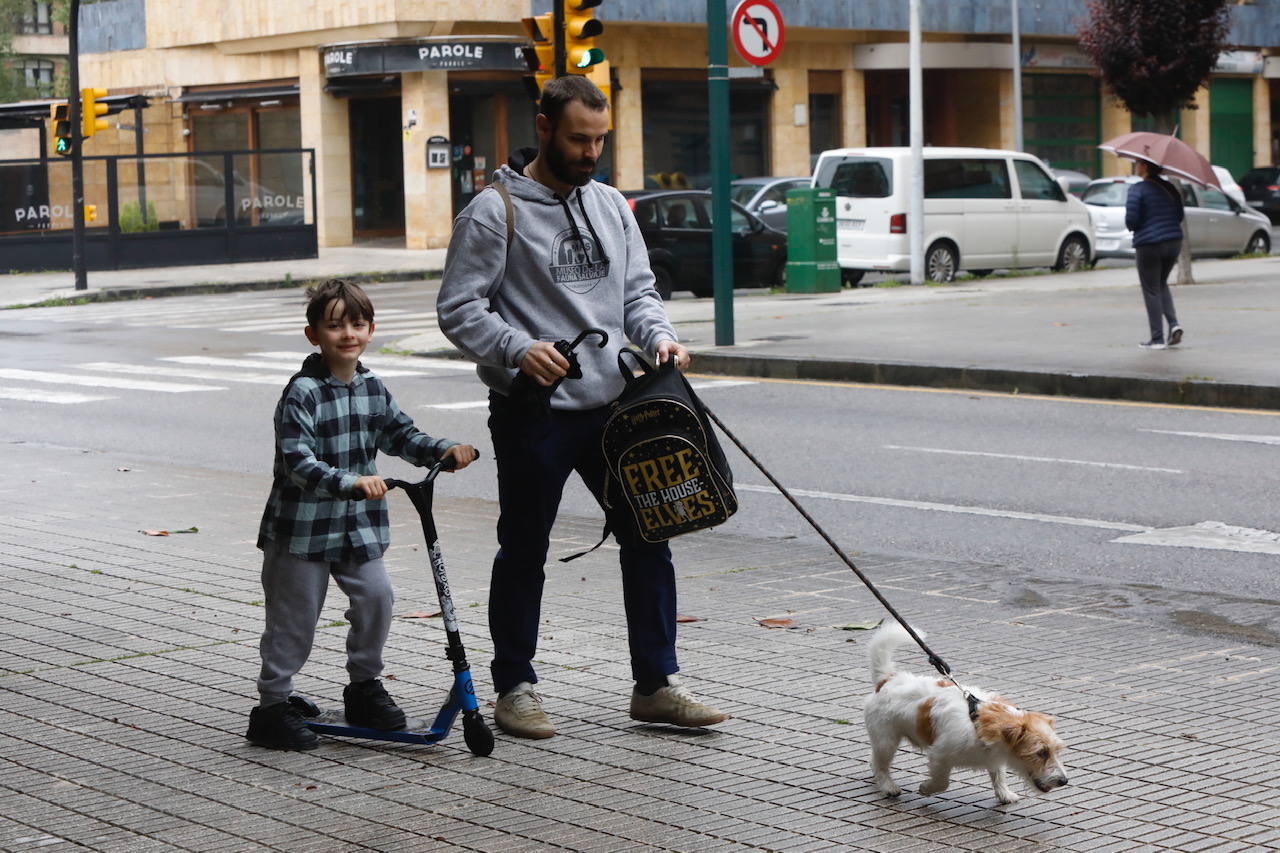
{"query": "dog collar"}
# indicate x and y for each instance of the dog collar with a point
(974, 702)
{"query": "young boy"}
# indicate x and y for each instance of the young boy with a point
(325, 516)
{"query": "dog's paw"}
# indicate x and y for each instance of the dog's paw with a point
(929, 787)
(1007, 797)
(889, 790)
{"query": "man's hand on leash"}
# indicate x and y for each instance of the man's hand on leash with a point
(545, 363)
(672, 349)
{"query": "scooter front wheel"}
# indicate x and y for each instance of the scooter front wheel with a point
(476, 734)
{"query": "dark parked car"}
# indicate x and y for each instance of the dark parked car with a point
(766, 197)
(1262, 190)
(676, 225)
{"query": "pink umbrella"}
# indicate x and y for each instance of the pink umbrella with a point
(1168, 152)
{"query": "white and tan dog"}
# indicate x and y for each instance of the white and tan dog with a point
(933, 714)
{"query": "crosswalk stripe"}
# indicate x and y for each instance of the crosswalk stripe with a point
(42, 395)
(295, 322)
(374, 361)
(276, 379)
(470, 404)
(102, 381)
(103, 315)
(244, 362)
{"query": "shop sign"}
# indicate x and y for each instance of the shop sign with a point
(425, 55)
(1240, 62)
(1054, 56)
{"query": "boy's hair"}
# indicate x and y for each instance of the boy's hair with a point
(557, 94)
(355, 302)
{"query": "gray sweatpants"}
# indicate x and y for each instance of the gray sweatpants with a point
(295, 591)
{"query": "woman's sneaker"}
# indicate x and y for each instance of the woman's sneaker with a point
(280, 726)
(366, 703)
(1152, 344)
(1175, 336)
(519, 712)
(674, 704)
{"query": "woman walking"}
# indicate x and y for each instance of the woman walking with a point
(1153, 212)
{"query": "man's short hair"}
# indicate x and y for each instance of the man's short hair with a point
(355, 302)
(557, 94)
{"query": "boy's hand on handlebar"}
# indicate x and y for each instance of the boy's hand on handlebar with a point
(544, 363)
(462, 456)
(373, 487)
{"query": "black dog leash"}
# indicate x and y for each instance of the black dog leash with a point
(938, 663)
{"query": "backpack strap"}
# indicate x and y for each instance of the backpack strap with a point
(511, 210)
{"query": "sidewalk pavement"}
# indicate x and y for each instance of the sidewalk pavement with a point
(127, 665)
(1073, 334)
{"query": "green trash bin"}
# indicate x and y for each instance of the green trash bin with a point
(811, 241)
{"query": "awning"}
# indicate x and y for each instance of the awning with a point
(240, 94)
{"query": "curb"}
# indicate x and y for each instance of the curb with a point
(114, 294)
(1132, 388)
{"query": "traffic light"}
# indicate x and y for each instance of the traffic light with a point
(90, 212)
(599, 74)
(580, 31)
(90, 109)
(540, 58)
(61, 127)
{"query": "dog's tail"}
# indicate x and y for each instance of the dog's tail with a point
(886, 638)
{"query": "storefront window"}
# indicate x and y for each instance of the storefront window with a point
(677, 152)
(1061, 120)
(267, 188)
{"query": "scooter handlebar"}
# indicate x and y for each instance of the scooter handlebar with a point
(446, 464)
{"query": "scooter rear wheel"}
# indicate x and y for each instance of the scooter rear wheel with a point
(476, 734)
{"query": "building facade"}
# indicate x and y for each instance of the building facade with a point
(37, 62)
(410, 108)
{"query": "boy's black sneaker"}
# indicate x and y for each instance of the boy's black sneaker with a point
(280, 726)
(367, 704)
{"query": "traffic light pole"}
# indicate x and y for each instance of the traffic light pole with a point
(77, 144)
(721, 227)
(557, 37)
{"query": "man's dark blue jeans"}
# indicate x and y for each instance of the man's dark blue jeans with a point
(536, 450)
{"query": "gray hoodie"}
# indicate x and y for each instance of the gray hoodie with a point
(573, 264)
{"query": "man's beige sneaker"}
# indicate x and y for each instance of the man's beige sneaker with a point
(519, 712)
(674, 704)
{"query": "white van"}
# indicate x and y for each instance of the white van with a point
(985, 209)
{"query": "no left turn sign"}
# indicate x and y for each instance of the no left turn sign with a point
(757, 31)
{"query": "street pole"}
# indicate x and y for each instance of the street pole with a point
(915, 216)
(1017, 78)
(721, 234)
(77, 144)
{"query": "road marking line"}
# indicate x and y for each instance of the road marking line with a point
(33, 395)
(1213, 535)
(1034, 458)
(718, 383)
(424, 363)
(103, 381)
(472, 404)
(953, 508)
(277, 379)
(1222, 436)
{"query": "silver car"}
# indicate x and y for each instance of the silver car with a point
(766, 197)
(1216, 225)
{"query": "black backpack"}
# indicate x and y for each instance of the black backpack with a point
(662, 455)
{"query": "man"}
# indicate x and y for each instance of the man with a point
(575, 260)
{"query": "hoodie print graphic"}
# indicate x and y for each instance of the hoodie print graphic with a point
(577, 262)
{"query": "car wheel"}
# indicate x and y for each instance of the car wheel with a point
(662, 282)
(703, 290)
(1074, 255)
(941, 262)
(850, 278)
(980, 273)
(1259, 244)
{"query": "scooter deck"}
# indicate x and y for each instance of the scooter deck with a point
(416, 729)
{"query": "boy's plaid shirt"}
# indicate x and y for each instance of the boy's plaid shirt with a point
(327, 435)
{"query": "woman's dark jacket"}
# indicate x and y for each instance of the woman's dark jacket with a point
(1153, 212)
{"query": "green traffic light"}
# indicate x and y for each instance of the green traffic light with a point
(590, 57)
(63, 146)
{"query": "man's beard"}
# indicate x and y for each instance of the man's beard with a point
(564, 169)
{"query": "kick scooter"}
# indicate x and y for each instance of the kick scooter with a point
(462, 697)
